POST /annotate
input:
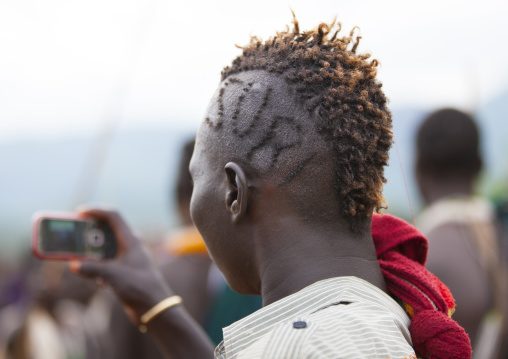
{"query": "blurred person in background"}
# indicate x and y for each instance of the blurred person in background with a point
(465, 244)
(51, 318)
(15, 297)
(7, 273)
(188, 269)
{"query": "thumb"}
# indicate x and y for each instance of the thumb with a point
(90, 269)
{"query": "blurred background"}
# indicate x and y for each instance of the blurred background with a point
(98, 96)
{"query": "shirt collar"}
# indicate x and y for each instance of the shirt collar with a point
(246, 331)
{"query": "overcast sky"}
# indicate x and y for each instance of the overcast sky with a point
(68, 66)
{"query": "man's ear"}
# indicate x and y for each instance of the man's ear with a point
(238, 192)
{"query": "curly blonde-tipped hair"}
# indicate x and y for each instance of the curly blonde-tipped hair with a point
(340, 86)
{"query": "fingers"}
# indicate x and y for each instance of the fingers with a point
(131, 313)
(122, 231)
(100, 282)
(94, 270)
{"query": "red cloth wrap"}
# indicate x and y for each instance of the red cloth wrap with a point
(402, 252)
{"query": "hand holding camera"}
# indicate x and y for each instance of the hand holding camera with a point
(101, 246)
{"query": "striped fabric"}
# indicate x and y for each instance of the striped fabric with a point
(344, 317)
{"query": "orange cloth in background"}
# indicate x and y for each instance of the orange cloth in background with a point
(186, 241)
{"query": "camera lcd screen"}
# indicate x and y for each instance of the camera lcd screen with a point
(62, 236)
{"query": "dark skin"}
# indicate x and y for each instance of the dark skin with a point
(265, 238)
(139, 285)
(433, 187)
(186, 274)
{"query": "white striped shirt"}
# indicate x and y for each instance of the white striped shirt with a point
(343, 317)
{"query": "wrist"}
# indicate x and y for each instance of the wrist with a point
(158, 309)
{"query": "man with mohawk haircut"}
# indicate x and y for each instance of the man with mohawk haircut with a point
(288, 171)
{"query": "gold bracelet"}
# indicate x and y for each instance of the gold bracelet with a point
(158, 309)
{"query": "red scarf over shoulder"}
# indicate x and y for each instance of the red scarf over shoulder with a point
(402, 252)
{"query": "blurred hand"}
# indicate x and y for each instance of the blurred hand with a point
(133, 276)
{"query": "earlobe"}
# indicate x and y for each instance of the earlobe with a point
(237, 191)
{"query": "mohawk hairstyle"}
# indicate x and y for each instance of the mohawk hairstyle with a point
(338, 88)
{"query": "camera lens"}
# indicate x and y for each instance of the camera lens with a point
(96, 238)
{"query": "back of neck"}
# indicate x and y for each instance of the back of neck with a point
(295, 254)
